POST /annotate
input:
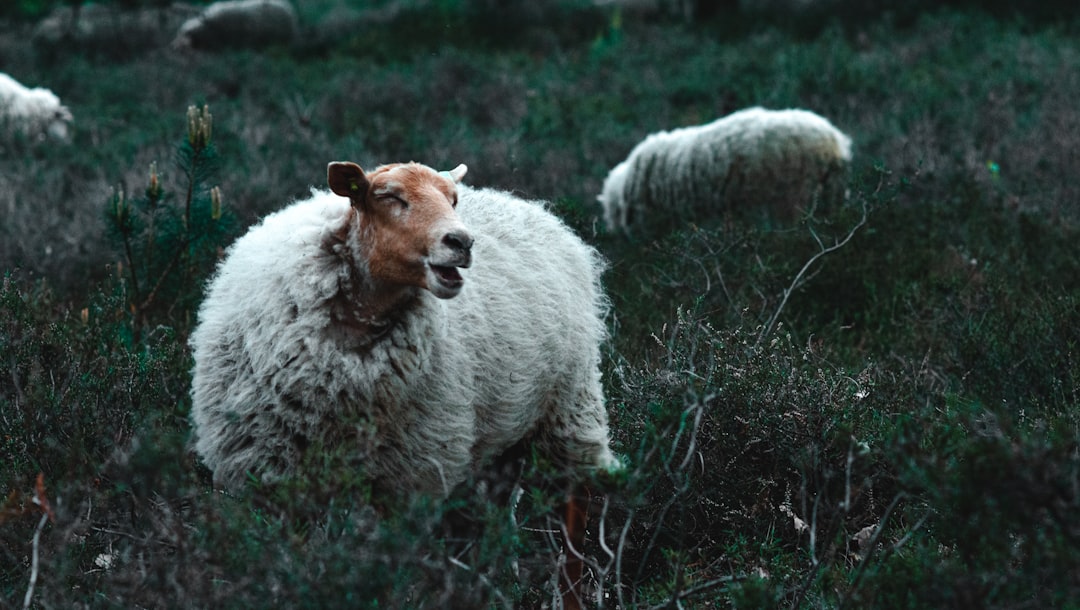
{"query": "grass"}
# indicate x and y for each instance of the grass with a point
(895, 428)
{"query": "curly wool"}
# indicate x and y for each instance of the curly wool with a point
(424, 401)
(754, 160)
(35, 113)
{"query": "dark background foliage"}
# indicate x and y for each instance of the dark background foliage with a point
(894, 427)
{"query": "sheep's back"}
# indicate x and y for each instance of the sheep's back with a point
(753, 162)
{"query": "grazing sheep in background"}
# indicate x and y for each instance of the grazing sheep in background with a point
(342, 322)
(240, 24)
(34, 113)
(755, 161)
(115, 30)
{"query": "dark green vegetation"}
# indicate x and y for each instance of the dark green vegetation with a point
(897, 427)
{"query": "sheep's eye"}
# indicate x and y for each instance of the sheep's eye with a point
(390, 198)
(453, 203)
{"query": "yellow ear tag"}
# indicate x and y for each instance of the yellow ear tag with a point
(353, 186)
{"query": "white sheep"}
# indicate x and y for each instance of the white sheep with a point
(33, 113)
(755, 161)
(343, 323)
(239, 24)
(332, 324)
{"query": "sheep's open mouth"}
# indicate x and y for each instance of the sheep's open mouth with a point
(447, 275)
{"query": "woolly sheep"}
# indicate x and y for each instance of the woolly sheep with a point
(335, 324)
(34, 113)
(343, 321)
(240, 24)
(114, 30)
(753, 161)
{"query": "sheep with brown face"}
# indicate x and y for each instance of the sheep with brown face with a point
(417, 326)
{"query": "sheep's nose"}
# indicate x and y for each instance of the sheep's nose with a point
(459, 241)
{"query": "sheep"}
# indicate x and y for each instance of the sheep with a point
(344, 322)
(113, 30)
(31, 113)
(239, 24)
(755, 161)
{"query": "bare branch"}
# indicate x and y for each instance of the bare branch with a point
(34, 561)
(859, 571)
(798, 279)
(682, 487)
(504, 602)
(698, 589)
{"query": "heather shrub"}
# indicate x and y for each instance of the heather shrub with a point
(750, 461)
(874, 408)
(75, 393)
(994, 497)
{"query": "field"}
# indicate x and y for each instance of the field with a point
(875, 407)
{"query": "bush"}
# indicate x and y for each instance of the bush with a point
(748, 457)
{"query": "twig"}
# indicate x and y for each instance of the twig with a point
(197, 152)
(484, 580)
(911, 531)
(797, 281)
(873, 542)
(180, 251)
(602, 571)
(34, 561)
(131, 268)
(619, 557)
(847, 475)
(697, 589)
(680, 488)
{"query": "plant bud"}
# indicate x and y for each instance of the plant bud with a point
(153, 192)
(215, 203)
(200, 126)
(119, 206)
(207, 124)
(192, 125)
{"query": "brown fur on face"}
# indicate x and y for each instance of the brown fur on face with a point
(409, 233)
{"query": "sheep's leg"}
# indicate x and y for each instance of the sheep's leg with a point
(574, 521)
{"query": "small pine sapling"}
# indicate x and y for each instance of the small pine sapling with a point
(169, 245)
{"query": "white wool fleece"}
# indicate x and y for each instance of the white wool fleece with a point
(33, 112)
(772, 160)
(428, 399)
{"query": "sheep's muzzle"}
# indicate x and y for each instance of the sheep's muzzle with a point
(454, 252)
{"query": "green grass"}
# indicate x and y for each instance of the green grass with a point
(896, 429)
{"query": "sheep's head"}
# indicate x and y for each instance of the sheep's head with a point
(58, 125)
(410, 233)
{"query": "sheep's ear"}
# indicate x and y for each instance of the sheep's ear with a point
(458, 173)
(347, 180)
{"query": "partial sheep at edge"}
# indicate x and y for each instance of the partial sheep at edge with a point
(35, 113)
(774, 164)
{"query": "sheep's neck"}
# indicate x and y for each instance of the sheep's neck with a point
(363, 305)
(371, 310)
